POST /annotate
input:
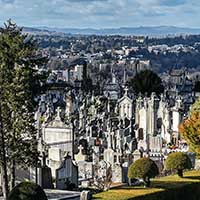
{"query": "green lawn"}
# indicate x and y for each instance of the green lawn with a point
(158, 186)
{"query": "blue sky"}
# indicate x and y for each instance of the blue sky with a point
(101, 13)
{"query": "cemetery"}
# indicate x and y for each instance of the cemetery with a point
(96, 148)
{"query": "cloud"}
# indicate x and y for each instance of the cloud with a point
(101, 13)
(172, 2)
(7, 1)
(81, 1)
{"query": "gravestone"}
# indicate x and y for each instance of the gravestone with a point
(85, 170)
(103, 167)
(67, 174)
(117, 169)
(46, 178)
(192, 157)
(197, 164)
(86, 195)
(137, 154)
(103, 175)
(142, 144)
(80, 156)
(117, 173)
(109, 156)
(125, 167)
(95, 154)
(155, 143)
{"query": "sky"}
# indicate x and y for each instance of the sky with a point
(101, 13)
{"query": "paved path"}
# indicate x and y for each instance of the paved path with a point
(60, 195)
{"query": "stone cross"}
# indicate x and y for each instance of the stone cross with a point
(126, 91)
(80, 149)
(58, 110)
(118, 154)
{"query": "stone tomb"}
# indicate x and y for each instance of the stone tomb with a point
(67, 174)
(59, 138)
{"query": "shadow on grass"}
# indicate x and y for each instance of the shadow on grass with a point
(175, 188)
(193, 177)
(168, 184)
(155, 184)
(185, 192)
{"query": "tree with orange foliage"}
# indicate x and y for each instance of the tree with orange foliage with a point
(190, 129)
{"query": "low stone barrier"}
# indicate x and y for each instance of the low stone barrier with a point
(62, 195)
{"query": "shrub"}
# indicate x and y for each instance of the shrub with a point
(190, 129)
(178, 161)
(27, 191)
(144, 168)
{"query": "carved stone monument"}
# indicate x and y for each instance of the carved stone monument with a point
(67, 174)
(58, 136)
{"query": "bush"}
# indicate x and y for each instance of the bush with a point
(27, 191)
(178, 161)
(144, 168)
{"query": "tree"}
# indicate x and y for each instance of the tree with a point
(28, 191)
(19, 84)
(144, 168)
(195, 107)
(197, 86)
(190, 128)
(86, 80)
(146, 82)
(178, 161)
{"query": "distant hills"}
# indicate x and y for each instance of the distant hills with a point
(143, 31)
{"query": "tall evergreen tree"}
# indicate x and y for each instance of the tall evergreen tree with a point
(18, 85)
(87, 81)
(146, 82)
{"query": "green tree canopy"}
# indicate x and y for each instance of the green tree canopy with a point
(178, 161)
(19, 84)
(144, 168)
(146, 82)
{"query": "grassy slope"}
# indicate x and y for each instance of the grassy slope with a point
(158, 185)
